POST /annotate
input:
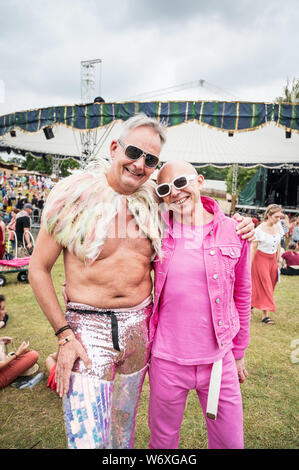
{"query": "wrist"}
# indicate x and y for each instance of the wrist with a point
(13, 354)
(64, 331)
(65, 340)
(65, 334)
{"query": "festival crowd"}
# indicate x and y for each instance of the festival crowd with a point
(16, 191)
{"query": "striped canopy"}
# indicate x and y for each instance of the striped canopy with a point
(192, 130)
(226, 116)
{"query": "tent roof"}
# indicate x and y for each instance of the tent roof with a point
(197, 131)
(195, 143)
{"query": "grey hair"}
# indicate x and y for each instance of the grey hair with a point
(142, 119)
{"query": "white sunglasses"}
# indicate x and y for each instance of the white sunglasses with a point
(180, 182)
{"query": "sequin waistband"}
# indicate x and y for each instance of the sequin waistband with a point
(87, 309)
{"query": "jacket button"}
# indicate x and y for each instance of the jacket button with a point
(217, 300)
(212, 252)
(215, 276)
(211, 232)
(220, 323)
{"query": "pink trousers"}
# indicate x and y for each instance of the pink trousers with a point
(169, 387)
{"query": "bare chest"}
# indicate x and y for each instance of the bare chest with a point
(124, 235)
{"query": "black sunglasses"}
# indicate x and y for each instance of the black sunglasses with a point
(134, 153)
(180, 182)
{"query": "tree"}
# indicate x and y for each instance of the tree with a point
(291, 92)
(244, 176)
(66, 165)
(17, 160)
(212, 173)
(41, 165)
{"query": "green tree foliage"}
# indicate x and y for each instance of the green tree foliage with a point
(244, 176)
(290, 92)
(17, 160)
(42, 165)
(66, 165)
(212, 173)
(45, 165)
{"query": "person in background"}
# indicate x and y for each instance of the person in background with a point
(291, 227)
(9, 205)
(284, 220)
(15, 364)
(41, 203)
(290, 261)
(3, 312)
(34, 200)
(11, 227)
(2, 238)
(23, 225)
(266, 260)
(255, 220)
(51, 362)
(13, 197)
(295, 236)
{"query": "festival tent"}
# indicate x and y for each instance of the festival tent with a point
(215, 133)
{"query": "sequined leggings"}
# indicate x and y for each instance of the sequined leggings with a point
(101, 405)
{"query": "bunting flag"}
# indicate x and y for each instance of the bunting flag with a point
(222, 115)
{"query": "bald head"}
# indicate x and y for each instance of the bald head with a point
(172, 169)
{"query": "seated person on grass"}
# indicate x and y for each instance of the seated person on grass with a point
(3, 312)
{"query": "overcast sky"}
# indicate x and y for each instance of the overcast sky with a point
(244, 49)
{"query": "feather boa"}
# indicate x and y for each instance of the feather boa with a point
(80, 209)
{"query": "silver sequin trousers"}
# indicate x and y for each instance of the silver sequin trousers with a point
(101, 405)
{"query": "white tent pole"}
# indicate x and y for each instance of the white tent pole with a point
(234, 186)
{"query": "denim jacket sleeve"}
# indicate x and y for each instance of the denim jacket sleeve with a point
(242, 298)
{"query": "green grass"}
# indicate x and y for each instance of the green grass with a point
(34, 418)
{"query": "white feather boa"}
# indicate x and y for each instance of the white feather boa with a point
(80, 209)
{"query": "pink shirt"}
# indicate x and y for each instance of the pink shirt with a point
(185, 317)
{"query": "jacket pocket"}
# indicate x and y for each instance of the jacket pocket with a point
(230, 257)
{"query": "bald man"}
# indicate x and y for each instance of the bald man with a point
(201, 314)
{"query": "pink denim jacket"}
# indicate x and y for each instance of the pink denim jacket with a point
(227, 261)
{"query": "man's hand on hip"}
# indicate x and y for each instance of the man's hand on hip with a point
(67, 354)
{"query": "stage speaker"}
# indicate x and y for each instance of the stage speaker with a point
(48, 133)
(259, 190)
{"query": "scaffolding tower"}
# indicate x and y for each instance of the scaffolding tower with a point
(89, 91)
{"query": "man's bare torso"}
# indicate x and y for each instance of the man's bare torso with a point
(120, 277)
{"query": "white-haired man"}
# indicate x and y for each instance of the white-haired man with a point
(104, 221)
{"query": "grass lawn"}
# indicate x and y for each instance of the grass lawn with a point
(34, 418)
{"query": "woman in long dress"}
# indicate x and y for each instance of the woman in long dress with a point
(266, 260)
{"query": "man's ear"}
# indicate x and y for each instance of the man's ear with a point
(200, 180)
(113, 147)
